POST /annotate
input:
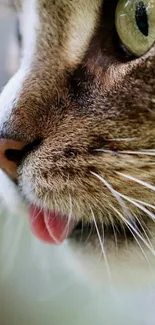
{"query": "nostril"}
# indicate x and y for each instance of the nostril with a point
(12, 152)
(16, 155)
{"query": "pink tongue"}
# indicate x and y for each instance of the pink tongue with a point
(50, 227)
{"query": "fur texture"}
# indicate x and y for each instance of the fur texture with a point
(91, 109)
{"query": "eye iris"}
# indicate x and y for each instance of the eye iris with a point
(142, 19)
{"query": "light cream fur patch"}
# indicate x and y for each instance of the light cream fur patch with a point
(83, 22)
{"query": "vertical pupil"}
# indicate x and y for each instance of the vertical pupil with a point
(142, 18)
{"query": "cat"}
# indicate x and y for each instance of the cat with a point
(77, 134)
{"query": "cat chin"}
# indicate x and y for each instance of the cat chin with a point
(128, 267)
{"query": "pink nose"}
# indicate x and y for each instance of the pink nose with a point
(11, 153)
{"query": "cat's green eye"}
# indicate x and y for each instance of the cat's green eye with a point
(135, 25)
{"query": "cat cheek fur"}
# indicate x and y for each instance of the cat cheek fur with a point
(76, 95)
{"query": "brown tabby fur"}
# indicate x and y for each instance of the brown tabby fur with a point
(79, 94)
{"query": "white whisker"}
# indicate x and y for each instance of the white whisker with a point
(144, 231)
(143, 152)
(118, 196)
(102, 246)
(122, 139)
(114, 193)
(145, 203)
(102, 226)
(115, 235)
(138, 205)
(135, 231)
(46, 220)
(66, 230)
(141, 248)
(134, 179)
(126, 152)
(129, 225)
(34, 217)
(153, 150)
(107, 151)
(91, 228)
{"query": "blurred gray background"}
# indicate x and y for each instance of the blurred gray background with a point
(8, 48)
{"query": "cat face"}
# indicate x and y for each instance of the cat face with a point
(82, 103)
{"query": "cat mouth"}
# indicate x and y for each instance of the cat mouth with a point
(50, 226)
(54, 228)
